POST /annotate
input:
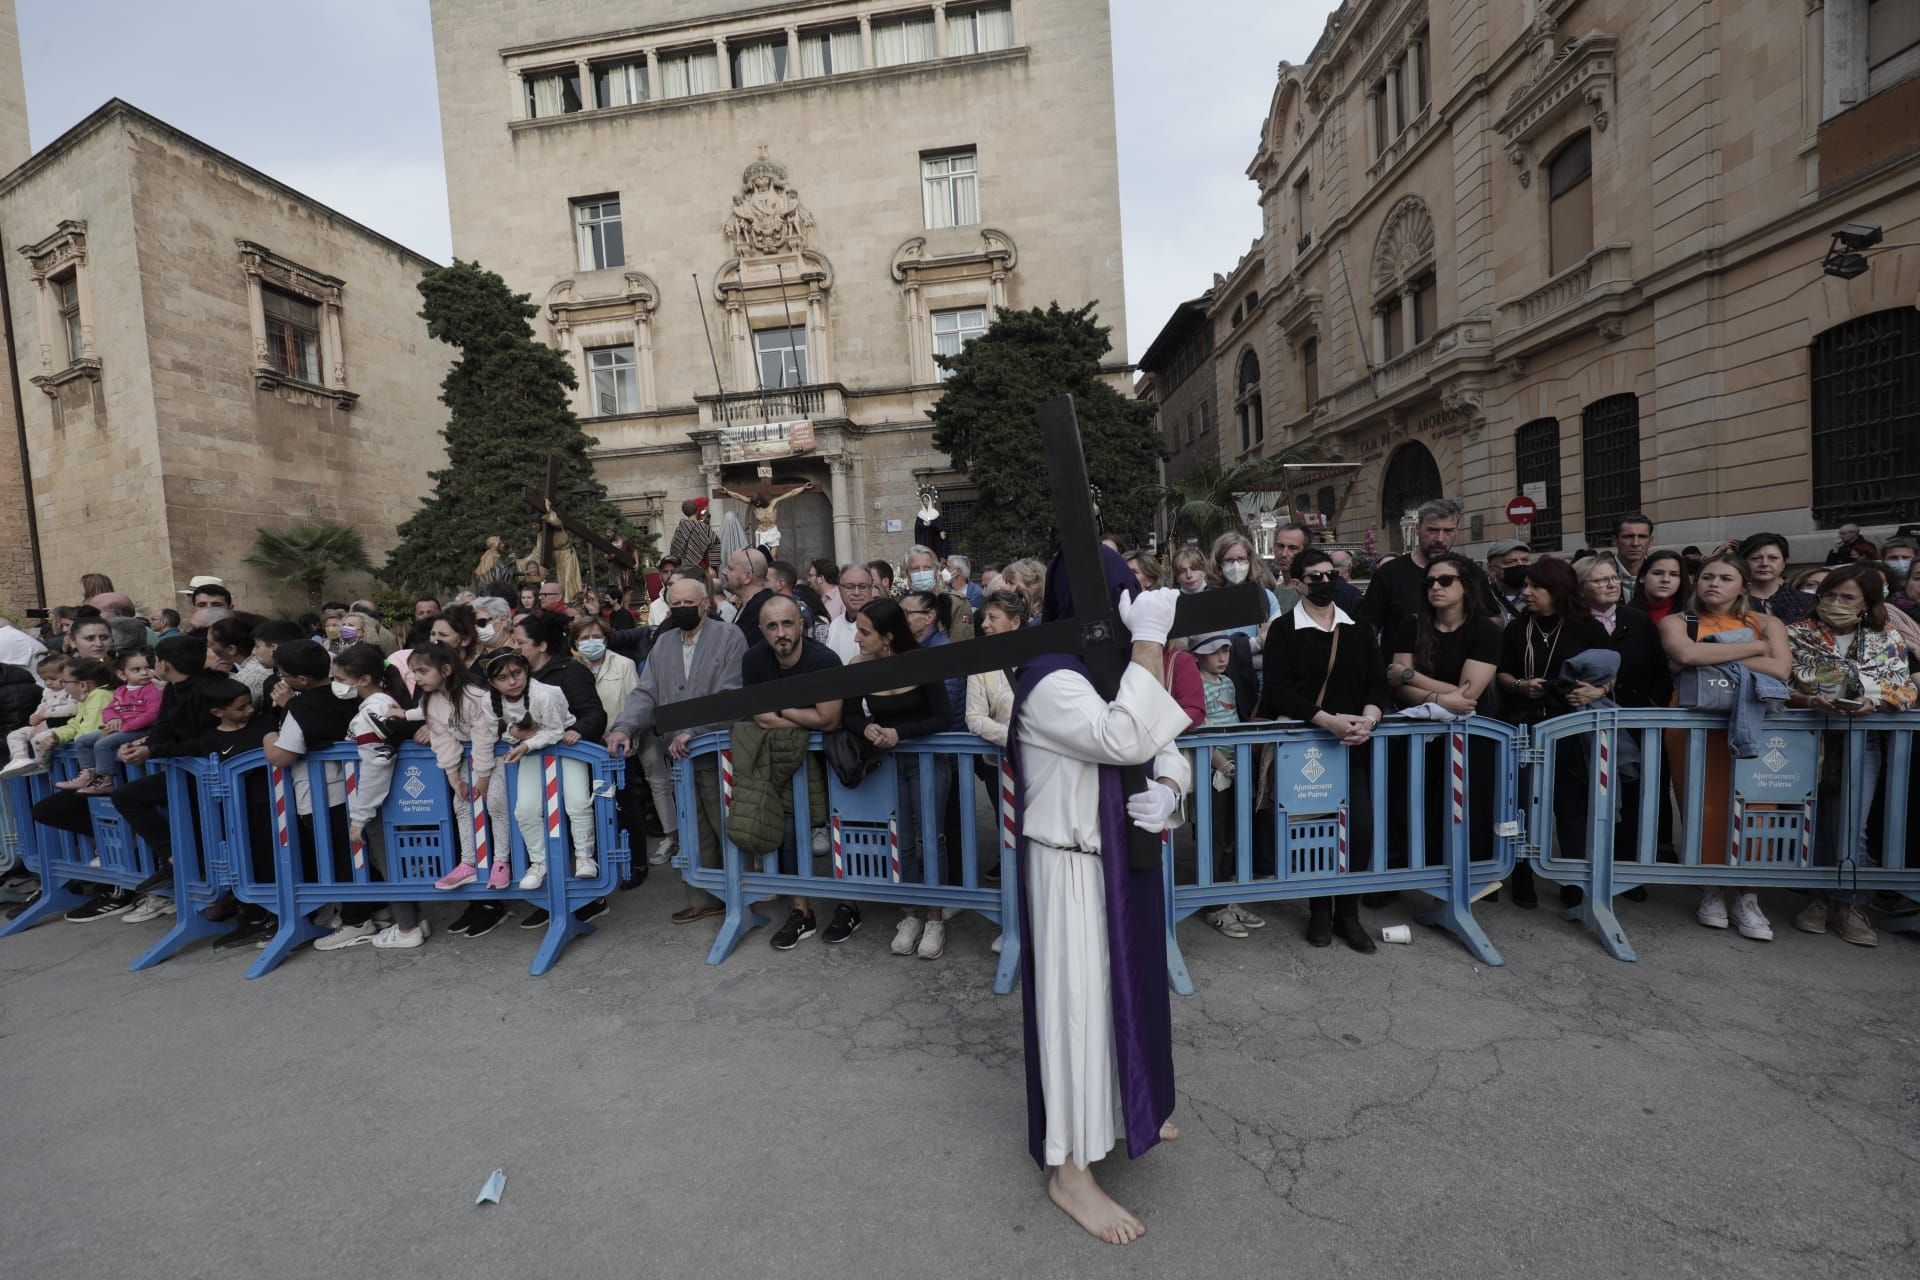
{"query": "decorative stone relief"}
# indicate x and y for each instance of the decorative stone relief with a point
(1405, 245)
(767, 217)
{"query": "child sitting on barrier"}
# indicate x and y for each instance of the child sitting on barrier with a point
(458, 713)
(130, 712)
(364, 670)
(29, 746)
(534, 716)
(1214, 653)
(90, 681)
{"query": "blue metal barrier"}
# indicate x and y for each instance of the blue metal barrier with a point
(1776, 834)
(113, 855)
(310, 872)
(863, 831)
(1300, 847)
(196, 820)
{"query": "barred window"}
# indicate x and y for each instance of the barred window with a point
(1866, 417)
(1536, 460)
(1610, 448)
(293, 335)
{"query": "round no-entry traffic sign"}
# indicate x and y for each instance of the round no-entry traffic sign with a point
(1522, 510)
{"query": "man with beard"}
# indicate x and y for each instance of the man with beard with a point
(789, 651)
(1399, 585)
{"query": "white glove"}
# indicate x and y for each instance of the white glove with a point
(1150, 809)
(1149, 615)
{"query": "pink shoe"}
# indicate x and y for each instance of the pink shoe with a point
(501, 874)
(78, 782)
(462, 874)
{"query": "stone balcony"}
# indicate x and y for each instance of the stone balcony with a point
(1596, 291)
(1425, 366)
(825, 400)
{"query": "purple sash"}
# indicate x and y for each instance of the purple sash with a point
(1136, 951)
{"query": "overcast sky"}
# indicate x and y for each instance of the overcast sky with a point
(337, 99)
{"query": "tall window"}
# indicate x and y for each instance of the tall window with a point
(1570, 204)
(1610, 450)
(1893, 42)
(954, 329)
(1426, 308)
(553, 93)
(1310, 372)
(1303, 209)
(1536, 460)
(981, 30)
(1866, 418)
(620, 84)
(1393, 335)
(902, 40)
(952, 189)
(759, 62)
(685, 74)
(1248, 410)
(293, 335)
(66, 300)
(829, 53)
(597, 228)
(1417, 70)
(782, 354)
(614, 376)
(1377, 112)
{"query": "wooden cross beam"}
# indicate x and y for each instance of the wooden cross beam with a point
(625, 559)
(1094, 632)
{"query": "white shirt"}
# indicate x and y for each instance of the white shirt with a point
(1067, 731)
(293, 738)
(1302, 620)
(17, 648)
(841, 639)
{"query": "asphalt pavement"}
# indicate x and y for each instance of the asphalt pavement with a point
(1721, 1108)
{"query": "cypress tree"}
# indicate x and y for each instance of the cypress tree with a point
(985, 423)
(507, 403)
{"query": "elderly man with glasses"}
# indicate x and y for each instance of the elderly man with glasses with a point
(856, 593)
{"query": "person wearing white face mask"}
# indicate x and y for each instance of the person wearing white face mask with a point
(923, 574)
(614, 677)
(1234, 562)
(493, 625)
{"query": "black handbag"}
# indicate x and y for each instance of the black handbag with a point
(850, 756)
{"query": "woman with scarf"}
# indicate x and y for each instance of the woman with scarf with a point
(1847, 662)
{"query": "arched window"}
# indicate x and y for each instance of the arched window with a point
(1248, 409)
(1866, 418)
(1536, 460)
(1403, 259)
(1412, 479)
(1570, 204)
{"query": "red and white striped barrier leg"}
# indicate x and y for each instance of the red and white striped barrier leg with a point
(359, 846)
(552, 764)
(1341, 841)
(893, 847)
(1734, 821)
(726, 781)
(1009, 835)
(482, 851)
(839, 858)
(277, 779)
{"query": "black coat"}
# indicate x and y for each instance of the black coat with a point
(19, 697)
(1644, 679)
(576, 682)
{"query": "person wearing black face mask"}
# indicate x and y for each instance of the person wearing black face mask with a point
(1507, 577)
(695, 656)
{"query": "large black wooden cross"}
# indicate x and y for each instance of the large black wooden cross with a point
(1094, 632)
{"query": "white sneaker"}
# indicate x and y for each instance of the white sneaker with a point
(1245, 916)
(149, 906)
(822, 844)
(345, 936)
(585, 868)
(394, 938)
(535, 877)
(662, 852)
(934, 940)
(328, 919)
(1751, 921)
(907, 936)
(999, 940)
(21, 768)
(1713, 909)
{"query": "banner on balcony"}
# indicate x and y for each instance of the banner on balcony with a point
(765, 440)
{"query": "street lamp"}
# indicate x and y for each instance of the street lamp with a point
(1846, 257)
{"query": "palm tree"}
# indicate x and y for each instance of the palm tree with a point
(1203, 506)
(309, 555)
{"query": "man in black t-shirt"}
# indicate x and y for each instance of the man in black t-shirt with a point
(1398, 588)
(788, 651)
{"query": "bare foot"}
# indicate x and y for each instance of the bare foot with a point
(1169, 1132)
(1081, 1199)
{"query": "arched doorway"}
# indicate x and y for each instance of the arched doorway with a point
(1412, 478)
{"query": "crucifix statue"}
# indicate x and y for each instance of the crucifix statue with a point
(764, 503)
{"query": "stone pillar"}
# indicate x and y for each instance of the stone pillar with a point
(939, 30)
(724, 72)
(588, 99)
(334, 348)
(1408, 319)
(919, 341)
(740, 338)
(997, 291)
(653, 74)
(643, 357)
(1379, 354)
(841, 467)
(866, 40)
(257, 319)
(793, 53)
(819, 346)
(583, 406)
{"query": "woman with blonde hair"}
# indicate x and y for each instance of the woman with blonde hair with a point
(1029, 578)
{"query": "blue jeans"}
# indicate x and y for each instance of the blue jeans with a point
(106, 748)
(1834, 845)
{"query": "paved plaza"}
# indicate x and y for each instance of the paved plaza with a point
(1722, 1108)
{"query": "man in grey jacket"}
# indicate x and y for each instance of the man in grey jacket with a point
(705, 661)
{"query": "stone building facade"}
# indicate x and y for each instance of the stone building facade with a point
(1574, 248)
(752, 227)
(200, 351)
